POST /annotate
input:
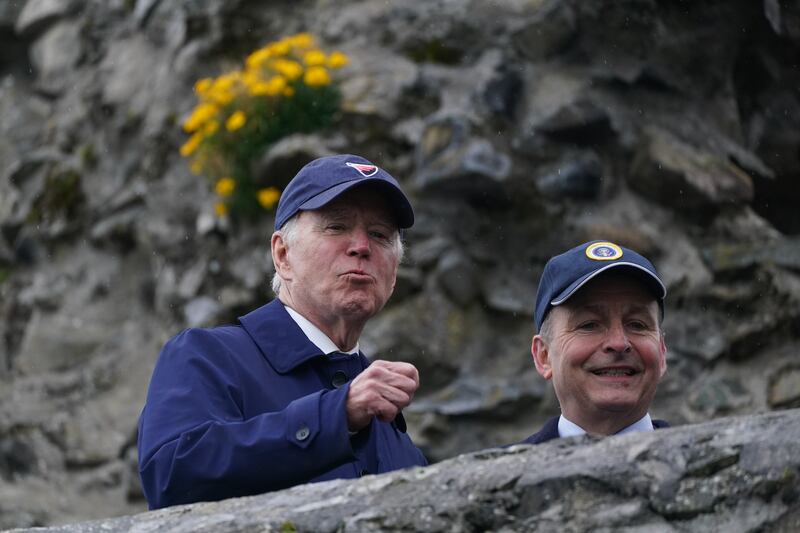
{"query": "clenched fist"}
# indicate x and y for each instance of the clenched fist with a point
(382, 390)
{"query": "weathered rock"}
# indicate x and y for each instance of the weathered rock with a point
(373, 90)
(55, 54)
(733, 257)
(38, 14)
(580, 122)
(502, 91)
(551, 29)
(745, 226)
(428, 252)
(9, 12)
(736, 474)
(130, 71)
(282, 160)
(472, 396)
(579, 178)
(450, 160)
(717, 397)
(409, 282)
(686, 178)
(701, 334)
(201, 312)
(58, 342)
(21, 123)
(458, 277)
(511, 289)
(551, 91)
(785, 388)
(784, 18)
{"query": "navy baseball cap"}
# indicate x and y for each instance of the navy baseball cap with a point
(324, 179)
(566, 273)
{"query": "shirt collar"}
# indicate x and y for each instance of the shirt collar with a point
(566, 428)
(279, 338)
(315, 335)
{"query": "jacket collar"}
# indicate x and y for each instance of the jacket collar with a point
(279, 338)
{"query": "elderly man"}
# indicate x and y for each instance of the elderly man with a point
(284, 396)
(598, 312)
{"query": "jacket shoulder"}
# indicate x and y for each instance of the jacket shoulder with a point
(549, 431)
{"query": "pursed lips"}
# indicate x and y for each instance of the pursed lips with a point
(357, 274)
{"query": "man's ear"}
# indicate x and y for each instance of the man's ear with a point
(280, 257)
(541, 357)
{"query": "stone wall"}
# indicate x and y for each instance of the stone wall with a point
(519, 127)
(737, 474)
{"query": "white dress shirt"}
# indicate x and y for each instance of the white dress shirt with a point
(315, 335)
(567, 428)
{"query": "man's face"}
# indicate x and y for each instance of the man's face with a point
(605, 354)
(343, 263)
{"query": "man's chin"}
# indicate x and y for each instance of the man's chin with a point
(357, 308)
(617, 405)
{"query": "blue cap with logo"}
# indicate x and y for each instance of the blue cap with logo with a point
(566, 273)
(324, 179)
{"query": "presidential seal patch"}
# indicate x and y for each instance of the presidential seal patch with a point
(364, 170)
(603, 251)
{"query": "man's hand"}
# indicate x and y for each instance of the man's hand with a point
(382, 390)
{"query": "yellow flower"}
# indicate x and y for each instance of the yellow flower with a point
(316, 77)
(289, 69)
(235, 121)
(210, 128)
(251, 78)
(273, 87)
(288, 92)
(258, 58)
(200, 115)
(225, 187)
(222, 91)
(190, 146)
(301, 40)
(202, 86)
(279, 48)
(220, 209)
(337, 60)
(268, 197)
(314, 58)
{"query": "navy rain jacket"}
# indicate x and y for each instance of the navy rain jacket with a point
(255, 407)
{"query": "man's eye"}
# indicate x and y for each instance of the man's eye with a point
(588, 326)
(335, 227)
(379, 235)
(637, 325)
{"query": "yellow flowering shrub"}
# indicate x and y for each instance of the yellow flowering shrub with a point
(286, 87)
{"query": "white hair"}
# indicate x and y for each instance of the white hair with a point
(289, 233)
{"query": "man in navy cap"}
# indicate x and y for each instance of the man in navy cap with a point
(284, 396)
(598, 314)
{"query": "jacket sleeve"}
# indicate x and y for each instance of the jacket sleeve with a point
(195, 444)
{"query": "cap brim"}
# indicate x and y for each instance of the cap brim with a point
(404, 213)
(654, 283)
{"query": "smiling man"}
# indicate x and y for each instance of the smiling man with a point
(285, 396)
(598, 312)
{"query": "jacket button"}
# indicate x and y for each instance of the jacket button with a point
(302, 433)
(339, 379)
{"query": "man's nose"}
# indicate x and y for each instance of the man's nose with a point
(359, 244)
(617, 339)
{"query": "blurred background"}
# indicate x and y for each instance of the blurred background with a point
(520, 128)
